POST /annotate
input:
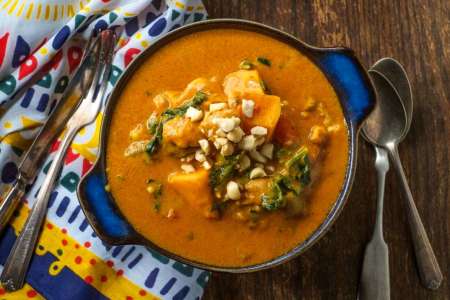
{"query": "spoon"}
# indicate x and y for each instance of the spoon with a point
(386, 127)
(374, 282)
(394, 73)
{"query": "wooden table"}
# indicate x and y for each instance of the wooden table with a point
(417, 33)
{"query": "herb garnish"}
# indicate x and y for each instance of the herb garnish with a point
(264, 61)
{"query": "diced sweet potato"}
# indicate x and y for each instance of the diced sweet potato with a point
(285, 133)
(181, 132)
(242, 82)
(194, 189)
(266, 113)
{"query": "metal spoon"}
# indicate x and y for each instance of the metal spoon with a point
(395, 74)
(386, 127)
(374, 282)
(375, 272)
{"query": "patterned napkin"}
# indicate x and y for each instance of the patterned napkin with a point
(71, 262)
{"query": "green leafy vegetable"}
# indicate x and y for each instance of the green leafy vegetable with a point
(274, 199)
(157, 205)
(299, 166)
(155, 188)
(171, 113)
(264, 61)
(289, 181)
(156, 140)
(156, 124)
(223, 170)
(246, 65)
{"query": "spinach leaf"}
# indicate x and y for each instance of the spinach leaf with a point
(223, 170)
(299, 166)
(290, 180)
(264, 61)
(196, 101)
(156, 140)
(274, 199)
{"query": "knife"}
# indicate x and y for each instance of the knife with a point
(38, 151)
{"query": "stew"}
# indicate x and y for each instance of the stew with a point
(227, 147)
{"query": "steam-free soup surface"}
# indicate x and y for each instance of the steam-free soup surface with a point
(162, 183)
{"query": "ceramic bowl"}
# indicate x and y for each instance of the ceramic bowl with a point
(344, 72)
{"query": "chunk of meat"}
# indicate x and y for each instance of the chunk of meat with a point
(266, 113)
(165, 100)
(181, 132)
(194, 189)
(208, 124)
(254, 189)
(318, 135)
(199, 84)
(238, 84)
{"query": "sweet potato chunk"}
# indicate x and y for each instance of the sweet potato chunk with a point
(285, 133)
(194, 189)
(242, 82)
(266, 113)
(181, 132)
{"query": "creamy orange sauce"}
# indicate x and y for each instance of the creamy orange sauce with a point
(226, 241)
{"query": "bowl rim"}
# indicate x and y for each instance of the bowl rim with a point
(240, 24)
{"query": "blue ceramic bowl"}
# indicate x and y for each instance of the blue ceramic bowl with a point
(342, 69)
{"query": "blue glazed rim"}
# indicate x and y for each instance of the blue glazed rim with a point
(343, 70)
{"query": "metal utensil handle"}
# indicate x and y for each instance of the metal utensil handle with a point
(10, 202)
(429, 271)
(18, 261)
(382, 166)
(375, 271)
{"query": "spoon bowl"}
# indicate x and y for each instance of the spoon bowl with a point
(394, 73)
(387, 123)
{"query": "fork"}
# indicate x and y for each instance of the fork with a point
(18, 261)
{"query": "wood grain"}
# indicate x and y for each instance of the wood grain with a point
(417, 33)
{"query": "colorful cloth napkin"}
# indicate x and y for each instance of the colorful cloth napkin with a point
(71, 262)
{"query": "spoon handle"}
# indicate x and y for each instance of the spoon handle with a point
(429, 271)
(374, 283)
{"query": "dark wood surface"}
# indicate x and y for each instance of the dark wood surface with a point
(417, 33)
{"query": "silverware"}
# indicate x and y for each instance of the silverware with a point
(34, 157)
(375, 281)
(394, 73)
(430, 274)
(16, 266)
(388, 123)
